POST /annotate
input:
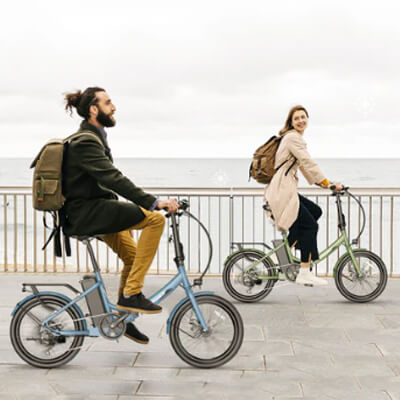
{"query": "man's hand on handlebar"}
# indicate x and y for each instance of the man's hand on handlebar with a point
(170, 205)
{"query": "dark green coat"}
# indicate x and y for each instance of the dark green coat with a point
(90, 182)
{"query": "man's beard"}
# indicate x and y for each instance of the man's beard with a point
(105, 120)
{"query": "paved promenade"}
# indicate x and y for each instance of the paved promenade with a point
(300, 343)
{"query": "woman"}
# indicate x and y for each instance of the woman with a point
(290, 210)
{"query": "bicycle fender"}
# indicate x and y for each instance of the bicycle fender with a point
(62, 296)
(260, 252)
(342, 257)
(197, 294)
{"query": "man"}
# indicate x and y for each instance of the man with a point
(90, 185)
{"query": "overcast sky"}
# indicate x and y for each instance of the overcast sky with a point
(204, 78)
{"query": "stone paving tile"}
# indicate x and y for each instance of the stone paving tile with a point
(268, 347)
(320, 397)
(156, 388)
(270, 383)
(242, 387)
(390, 386)
(5, 343)
(270, 318)
(253, 333)
(255, 362)
(8, 396)
(305, 346)
(394, 365)
(378, 336)
(21, 372)
(206, 375)
(80, 372)
(139, 397)
(95, 387)
(363, 365)
(334, 335)
(344, 320)
(389, 321)
(9, 357)
(310, 364)
(159, 359)
(142, 374)
(4, 329)
(68, 397)
(104, 359)
(338, 387)
(26, 387)
(156, 344)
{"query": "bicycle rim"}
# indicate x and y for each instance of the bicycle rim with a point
(369, 284)
(39, 347)
(207, 349)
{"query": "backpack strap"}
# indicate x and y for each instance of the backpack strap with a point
(56, 234)
(70, 138)
(294, 162)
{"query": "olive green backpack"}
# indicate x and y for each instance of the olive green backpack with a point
(47, 193)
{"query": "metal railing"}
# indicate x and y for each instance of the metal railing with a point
(230, 214)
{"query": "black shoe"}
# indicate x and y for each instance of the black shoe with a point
(138, 303)
(134, 334)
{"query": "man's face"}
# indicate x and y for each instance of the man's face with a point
(105, 109)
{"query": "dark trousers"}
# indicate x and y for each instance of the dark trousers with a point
(304, 230)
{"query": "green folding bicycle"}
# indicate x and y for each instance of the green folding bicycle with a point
(250, 274)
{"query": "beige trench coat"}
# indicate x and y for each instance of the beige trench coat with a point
(281, 193)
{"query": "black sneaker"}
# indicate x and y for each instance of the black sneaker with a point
(134, 334)
(138, 303)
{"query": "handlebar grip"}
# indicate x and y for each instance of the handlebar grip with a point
(183, 204)
(344, 188)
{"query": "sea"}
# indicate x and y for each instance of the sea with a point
(248, 222)
(222, 172)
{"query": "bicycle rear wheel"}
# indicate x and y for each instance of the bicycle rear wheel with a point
(245, 284)
(207, 349)
(39, 347)
(371, 282)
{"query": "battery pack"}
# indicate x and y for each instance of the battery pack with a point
(281, 254)
(93, 299)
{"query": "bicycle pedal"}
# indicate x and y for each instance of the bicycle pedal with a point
(308, 285)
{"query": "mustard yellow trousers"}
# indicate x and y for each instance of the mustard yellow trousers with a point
(137, 258)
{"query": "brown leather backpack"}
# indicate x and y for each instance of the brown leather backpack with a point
(262, 168)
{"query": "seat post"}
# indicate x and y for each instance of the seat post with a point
(91, 253)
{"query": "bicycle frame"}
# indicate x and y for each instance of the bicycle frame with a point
(341, 240)
(180, 279)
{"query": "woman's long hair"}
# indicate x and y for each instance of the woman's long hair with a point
(288, 124)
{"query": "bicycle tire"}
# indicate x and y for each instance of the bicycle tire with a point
(380, 287)
(226, 309)
(17, 341)
(227, 279)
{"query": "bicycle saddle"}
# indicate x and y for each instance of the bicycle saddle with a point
(81, 238)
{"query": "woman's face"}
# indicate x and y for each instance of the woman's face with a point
(299, 121)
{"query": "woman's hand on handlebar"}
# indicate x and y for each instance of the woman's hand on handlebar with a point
(336, 186)
(170, 205)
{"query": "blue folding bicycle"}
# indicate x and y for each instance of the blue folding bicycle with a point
(48, 328)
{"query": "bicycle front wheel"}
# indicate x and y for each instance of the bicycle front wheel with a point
(207, 349)
(39, 347)
(249, 284)
(366, 286)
